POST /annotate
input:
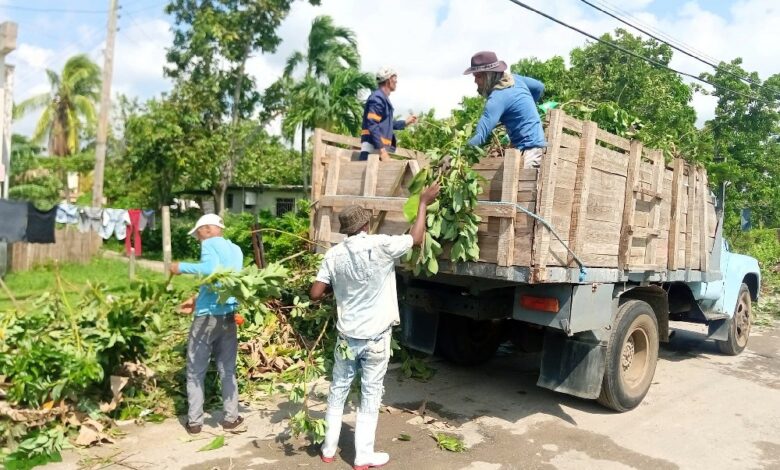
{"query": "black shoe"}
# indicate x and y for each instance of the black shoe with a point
(194, 428)
(235, 426)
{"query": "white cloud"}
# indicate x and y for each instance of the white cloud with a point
(430, 42)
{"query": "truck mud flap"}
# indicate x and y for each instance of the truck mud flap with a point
(572, 365)
(419, 328)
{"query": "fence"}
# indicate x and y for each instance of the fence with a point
(71, 246)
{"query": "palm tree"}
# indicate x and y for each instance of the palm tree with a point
(331, 50)
(69, 108)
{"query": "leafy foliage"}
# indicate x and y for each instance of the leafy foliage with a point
(451, 218)
(68, 108)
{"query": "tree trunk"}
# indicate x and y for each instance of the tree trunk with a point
(304, 170)
(219, 199)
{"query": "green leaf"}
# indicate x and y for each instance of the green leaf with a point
(405, 437)
(450, 443)
(418, 182)
(411, 206)
(218, 442)
(433, 266)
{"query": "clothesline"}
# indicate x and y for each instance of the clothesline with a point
(106, 222)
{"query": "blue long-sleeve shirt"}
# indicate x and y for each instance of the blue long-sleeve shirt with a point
(215, 253)
(378, 124)
(514, 107)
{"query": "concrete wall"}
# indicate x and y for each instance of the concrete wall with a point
(263, 200)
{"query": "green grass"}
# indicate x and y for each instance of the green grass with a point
(28, 285)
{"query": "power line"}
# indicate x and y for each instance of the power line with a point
(689, 54)
(634, 54)
(657, 31)
(52, 10)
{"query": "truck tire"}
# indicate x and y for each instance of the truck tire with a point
(468, 342)
(632, 354)
(739, 331)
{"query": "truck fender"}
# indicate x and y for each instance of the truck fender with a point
(741, 270)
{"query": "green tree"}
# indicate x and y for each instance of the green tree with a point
(328, 93)
(744, 143)
(212, 41)
(68, 108)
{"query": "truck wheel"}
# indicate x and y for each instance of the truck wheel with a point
(632, 354)
(740, 325)
(468, 342)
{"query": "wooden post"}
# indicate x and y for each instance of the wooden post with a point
(166, 237)
(546, 193)
(659, 168)
(131, 265)
(579, 207)
(629, 205)
(704, 224)
(105, 108)
(674, 222)
(331, 189)
(316, 179)
(509, 188)
(372, 174)
(689, 216)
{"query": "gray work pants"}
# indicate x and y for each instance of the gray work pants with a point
(217, 334)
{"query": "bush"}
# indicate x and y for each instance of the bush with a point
(762, 244)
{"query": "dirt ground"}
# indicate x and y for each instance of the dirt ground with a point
(704, 411)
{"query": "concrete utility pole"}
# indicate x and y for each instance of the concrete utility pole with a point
(8, 32)
(105, 109)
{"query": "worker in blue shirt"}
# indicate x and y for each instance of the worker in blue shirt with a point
(377, 129)
(213, 329)
(511, 100)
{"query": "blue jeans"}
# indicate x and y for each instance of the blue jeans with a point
(371, 357)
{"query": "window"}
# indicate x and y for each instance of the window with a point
(284, 205)
(230, 200)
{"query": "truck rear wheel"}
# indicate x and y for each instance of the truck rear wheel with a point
(632, 354)
(739, 331)
(468, 342)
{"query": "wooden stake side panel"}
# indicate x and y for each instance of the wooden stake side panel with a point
(651, 222)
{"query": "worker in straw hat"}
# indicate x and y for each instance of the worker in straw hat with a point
(377, 129)
(213, 328)
(511, 100)
(361, 273)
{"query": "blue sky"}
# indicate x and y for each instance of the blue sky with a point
(429, 41)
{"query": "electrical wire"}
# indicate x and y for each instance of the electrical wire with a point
(638, 56)
(680, 49)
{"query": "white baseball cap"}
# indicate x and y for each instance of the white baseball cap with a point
(208, 219)
(384, 74)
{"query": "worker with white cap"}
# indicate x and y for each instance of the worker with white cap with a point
(213, 328)
(377, 129)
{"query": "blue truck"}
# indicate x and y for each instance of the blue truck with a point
(585, 260)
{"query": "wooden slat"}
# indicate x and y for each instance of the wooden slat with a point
(659, 166)
(689, 216)
(506, 234)
(393, 192)
(316, 177)
(570, 123)
(372, 174)
(612, 139)
(330, 137)
(629, 204)
(704, 226)
(546, 188)
(582, 184)
(396, 204)
(674, 228)
(331, 189)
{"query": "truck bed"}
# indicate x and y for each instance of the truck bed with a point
(665, 232)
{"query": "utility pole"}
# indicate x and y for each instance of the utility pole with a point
(105, 108)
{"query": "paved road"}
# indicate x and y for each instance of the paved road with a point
(704, 411)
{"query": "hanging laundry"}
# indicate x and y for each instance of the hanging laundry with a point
(134, 215)
(67, 213)
(90, 219)
(147, 220)
(114, 223)
(40, 225)
(14, 217)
